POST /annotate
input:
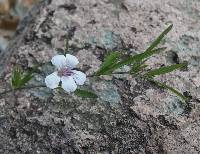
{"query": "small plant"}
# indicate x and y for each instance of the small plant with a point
(20, 78)
(70, 78)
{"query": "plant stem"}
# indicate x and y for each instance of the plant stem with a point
(39, 86)
(117, 73)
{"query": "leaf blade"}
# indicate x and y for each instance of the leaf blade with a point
(111, 59)
(164, 86)
(134, 59)
(16, 77)
(26, 78)
(159, 38)
(20, 78)
(164, 70)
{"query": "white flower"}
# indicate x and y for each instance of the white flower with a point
(70, 78)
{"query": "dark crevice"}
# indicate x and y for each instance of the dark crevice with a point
(71, 8)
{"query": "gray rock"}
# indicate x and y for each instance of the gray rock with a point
(130, 116)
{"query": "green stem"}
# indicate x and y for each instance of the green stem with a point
(39, 86)
(117, 73)
(164, 86)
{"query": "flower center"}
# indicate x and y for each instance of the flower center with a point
(65, 72)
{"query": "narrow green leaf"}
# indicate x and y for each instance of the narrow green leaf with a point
(149, 53)
(164, 70)
(159, 38)
(111, 59)
(133, 59)
(26, 78)
(136, 58)
(16, 77)
(164, 86)
(137, 68)
(19, 78)
(85, 94)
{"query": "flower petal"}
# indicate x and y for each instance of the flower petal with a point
(52, 80)
(68, 83)
(59, 61)
(71, 61)
(79, 77)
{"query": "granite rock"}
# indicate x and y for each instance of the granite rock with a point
(131, 116)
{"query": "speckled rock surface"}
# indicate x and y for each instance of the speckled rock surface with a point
(130, 116)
